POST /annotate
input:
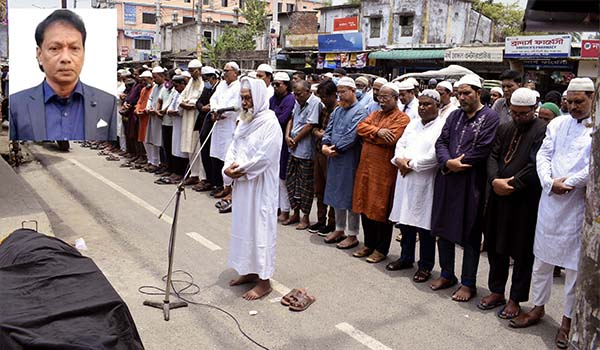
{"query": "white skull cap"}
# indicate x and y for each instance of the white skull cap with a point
(195, 63)
(523, 97)
(470, 79)
(446, 85)
(265, 68)
(346, 81)
(281, 76)
(581, 84)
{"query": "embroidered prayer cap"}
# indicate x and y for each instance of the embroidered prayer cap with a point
(380, 81)
(405, 85)
(581, 84)
(432, 81)
(281, 76)
(363, 80)
(158, 69)
(523, 97)
(470, 79)
(146, 74)
(445, 84)
(345, 81)
(431, 93)
(498, 90)
(186, 74)
(208, 70)
(391, 86)
(195, 63)
(265, 68)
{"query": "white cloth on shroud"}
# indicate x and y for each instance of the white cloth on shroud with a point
(256, 146)
(413, 196)
(565, 152)
(190, 95)
(225, 96)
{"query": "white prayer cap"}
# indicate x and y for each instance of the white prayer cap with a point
(265, 68)
(536, 93)
(233, 65)
(125, 72)
(281, 76)
(470, 79)
(498, 90)
(455, 85)
(208, 70)
(185, 73)
(413, 81)
(252, 74)
(195, 63)
(346, 81)
(523, 97)
(564, 93)
(391, 86)
(146, 74)
(405, 85)
(445, 84)
(432, 94)
(145, 66)
(158, 69)
(120, 71)
(314, 87)
(581, 84)
(380, 81)
(178, 71)
(363, 80)
(329, 75)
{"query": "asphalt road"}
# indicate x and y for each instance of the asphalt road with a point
(359, 305)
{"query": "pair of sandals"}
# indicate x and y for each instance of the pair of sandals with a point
(297, 300)
(501, 314)
(224, 206)
(203, 186)
(167, 180)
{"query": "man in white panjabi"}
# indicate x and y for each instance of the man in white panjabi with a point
(563, 168)
(252, 168)
(187, 104)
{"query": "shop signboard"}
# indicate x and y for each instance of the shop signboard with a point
(346, 42)
(538, 46)
(301, 41)
(124, 52)
(129, 15)
(474, 54)
(345, 24)
(590, 48)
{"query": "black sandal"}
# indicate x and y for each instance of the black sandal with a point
(421, 276)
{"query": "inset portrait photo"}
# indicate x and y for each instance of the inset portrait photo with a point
(66, 63)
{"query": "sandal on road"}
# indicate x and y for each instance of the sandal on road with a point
(492, 305)
(562, 338)
(165, 180)
(302, 302)
(507, 316)
(291, 296)
(421, 276)
(112, 158)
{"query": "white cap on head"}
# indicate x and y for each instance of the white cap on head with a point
(413, 81)
(185, 73)
(233, 65)
(498, 90)
(405, 85)
(581, 84)
(281, 76)
(314, 87)
(346, 81)
(178, 71)
(329, 75)
(380, 81)
(523, 97)
(252, 74)
(445, 84)
(265, 68)
(363, 80)
(145, 66)
(125, 73)
(432, 94)
(195, 63)
(391, 86)
(564, 93)
(208, 70)
(455, 85)
(470, 79)
(158, 69)
(146, 74)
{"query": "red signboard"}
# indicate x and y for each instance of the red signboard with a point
(345, 24)
(124, 51)
(590, 48)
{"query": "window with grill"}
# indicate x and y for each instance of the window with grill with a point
(223, 3)
(208, 36)
(375, 27)
(148, 18)
(406, 25)
(142, 44)
(290, 7)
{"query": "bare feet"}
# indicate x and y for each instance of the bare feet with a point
(510, 311)
(442, 283)
(491, 301)
(464, 293)
(526, 319)
(244, 279)
(262, 288)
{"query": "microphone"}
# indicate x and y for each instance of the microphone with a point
(227, 109)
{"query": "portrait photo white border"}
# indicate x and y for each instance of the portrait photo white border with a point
(100, 62)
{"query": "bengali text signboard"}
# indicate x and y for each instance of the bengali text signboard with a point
(538, 46)
(345, 24)
(590, 48)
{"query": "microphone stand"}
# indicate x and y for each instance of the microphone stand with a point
(166, 305)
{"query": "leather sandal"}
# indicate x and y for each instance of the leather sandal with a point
(562, 338)
(376, 257)
(301, 302)
(363, 252)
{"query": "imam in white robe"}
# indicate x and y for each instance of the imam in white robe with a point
(177, 121)
(413, 196)
(226, 95)
(190, 95)
(565, 152)
(256, 146)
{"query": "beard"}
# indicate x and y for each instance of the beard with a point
(247, 114)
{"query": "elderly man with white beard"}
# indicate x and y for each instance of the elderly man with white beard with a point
(252, 167)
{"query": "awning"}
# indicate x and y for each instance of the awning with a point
(407, 54)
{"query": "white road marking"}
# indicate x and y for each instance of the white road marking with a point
(361, 337)
(205, 242)
(279, 288)
(133, 197)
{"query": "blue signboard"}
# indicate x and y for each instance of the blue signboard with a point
(346, 42)
(129, 14)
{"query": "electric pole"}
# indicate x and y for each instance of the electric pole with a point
(199, 35)
(157, 36)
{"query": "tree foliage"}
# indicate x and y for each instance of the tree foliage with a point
(238, 38)
(506, 18)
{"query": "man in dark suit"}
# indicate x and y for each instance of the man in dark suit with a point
(62, 107)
